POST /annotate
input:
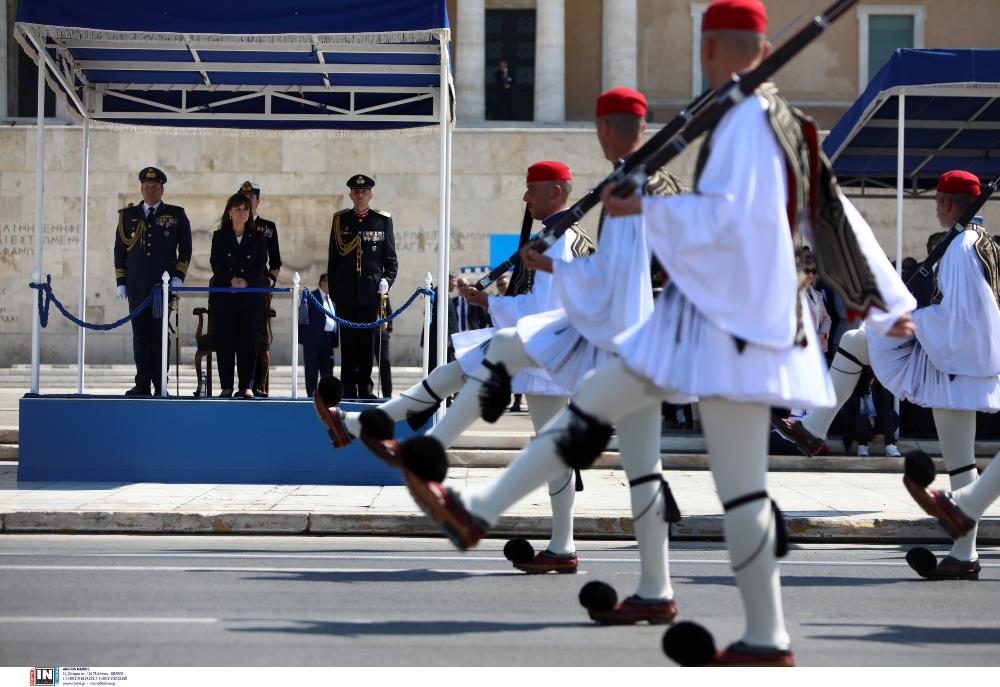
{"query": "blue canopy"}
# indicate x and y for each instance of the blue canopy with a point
(304, 64)
(951, 120)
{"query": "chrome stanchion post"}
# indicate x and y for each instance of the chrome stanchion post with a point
(295, 335)
(164, 335)
(428, 284)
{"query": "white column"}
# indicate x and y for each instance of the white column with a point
(36, 275)
(550, 61)
(470, 56)
(296, 290)
(3, 61)
(81, 341)
(619, 50)
(444, 234)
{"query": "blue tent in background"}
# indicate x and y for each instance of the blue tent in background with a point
(951, 116)
(306, 64)
(345, 67)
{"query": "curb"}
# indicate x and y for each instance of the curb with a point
(800, 529)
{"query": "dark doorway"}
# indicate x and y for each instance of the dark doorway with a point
(510, 36)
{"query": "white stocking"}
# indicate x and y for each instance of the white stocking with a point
(505, 348)
(957, 432)
(975, 498)
(608, 393)
(736, 434)
(444, 380)
(562, 489)
(639, 444)
(845, 373)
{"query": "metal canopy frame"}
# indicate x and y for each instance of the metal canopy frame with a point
(321, 66)
(988, 91)
(337, 81)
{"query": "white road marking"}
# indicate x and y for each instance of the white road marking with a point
(98, 619)
(188, 568)
(392, 558)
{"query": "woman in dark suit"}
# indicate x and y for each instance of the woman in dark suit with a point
(239, 258)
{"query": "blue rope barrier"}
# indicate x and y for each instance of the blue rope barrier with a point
(46, 297)
(308, 296)
(228, 289)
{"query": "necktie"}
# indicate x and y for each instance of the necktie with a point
(464, 319)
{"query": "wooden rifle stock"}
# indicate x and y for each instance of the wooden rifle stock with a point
(957, 228)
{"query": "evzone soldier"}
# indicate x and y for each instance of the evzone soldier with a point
(361, 268)
(602, 295)
(548, 186)
(152, 238)
(727, 329)
(951, 365)
(269, 229)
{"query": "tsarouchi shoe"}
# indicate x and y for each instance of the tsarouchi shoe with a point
(635, 609)
(546, 561)
(925, 564)
(795, 432)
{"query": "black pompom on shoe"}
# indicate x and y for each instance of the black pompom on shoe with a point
(375, 424)
(919, 467)
(425, 457)
(689, 644)
(330, 390)
(519, 551)
(922, 560)
(598, 596)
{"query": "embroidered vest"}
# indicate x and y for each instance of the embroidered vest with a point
(988, 253)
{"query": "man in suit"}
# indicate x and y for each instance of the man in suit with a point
(361, 267)
(318, 336)
(452, 321)
(468, 316)
(269, 230)
(152, 238)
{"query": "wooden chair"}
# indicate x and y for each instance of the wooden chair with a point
(206, 345)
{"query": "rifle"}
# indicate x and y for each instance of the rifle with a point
(551, 234)
(738, 87)
(957, 228)
(515, 277)
(698, 117)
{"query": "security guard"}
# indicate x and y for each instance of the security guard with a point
(152, 238)
(361, 266)
(269, 230)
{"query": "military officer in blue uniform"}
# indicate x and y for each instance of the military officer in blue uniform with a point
(152, 238)
(361, 267)
(269, 231)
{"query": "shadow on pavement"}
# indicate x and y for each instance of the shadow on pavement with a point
(912, 634)
(359, 628)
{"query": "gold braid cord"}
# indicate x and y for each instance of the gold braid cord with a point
(137, 235)
(345, 248)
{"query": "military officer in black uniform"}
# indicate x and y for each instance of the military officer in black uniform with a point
(361, 266)
(269, 230)
(152, 238)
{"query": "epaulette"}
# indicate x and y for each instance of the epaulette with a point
(382, 212)
(340, 212)
(130, 205)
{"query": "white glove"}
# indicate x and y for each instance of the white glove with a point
(122, 293)
(383, 287)
(175, 282)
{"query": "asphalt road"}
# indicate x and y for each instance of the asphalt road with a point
(284, 601)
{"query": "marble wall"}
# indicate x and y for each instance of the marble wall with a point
(303, 184)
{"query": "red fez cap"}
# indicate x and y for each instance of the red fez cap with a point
(735, 15)
(549, 170)
(621, 100)
(959, 181)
